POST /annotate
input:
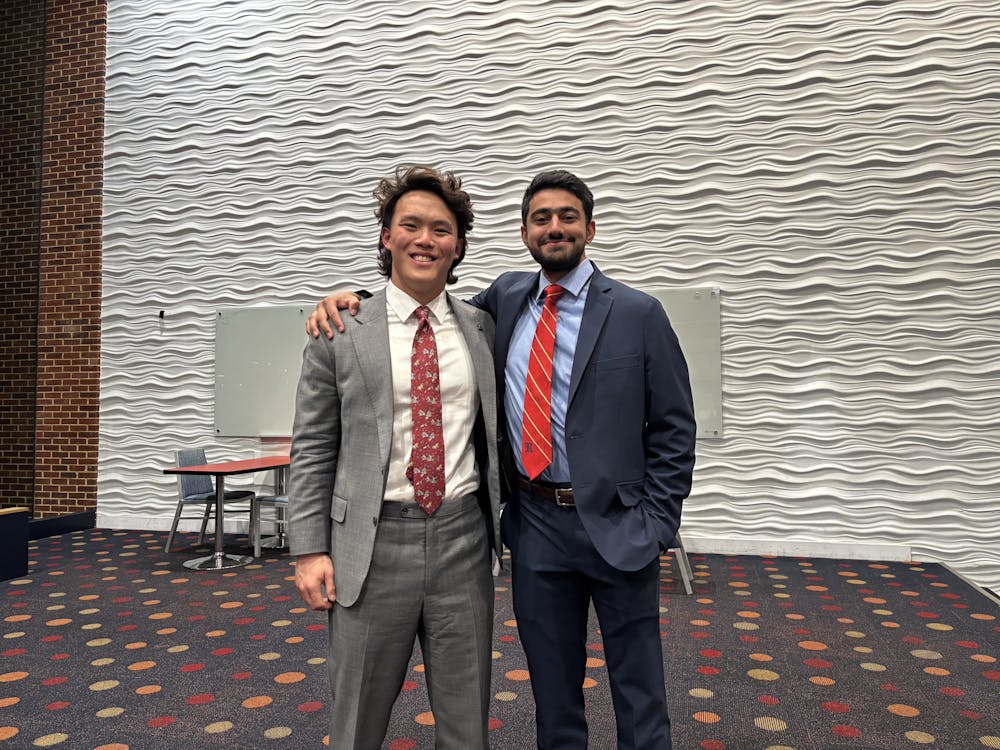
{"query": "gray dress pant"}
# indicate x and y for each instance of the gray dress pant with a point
(429, 579)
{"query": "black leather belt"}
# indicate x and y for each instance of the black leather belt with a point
(561, 496)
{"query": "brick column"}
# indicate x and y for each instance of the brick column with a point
(22, 67)
(69, 317)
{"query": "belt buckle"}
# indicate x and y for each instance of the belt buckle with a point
(559, 502)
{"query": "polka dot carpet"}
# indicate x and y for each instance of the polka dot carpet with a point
(110, 644)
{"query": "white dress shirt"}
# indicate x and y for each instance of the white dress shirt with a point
(459, 396)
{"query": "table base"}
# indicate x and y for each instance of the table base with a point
(218, 561)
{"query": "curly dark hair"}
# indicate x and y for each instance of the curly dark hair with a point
(559, 179)
(445, 185)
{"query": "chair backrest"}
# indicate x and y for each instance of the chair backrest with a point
(193, 484)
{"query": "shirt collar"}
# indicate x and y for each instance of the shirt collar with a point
(403, 304)
(573, 282)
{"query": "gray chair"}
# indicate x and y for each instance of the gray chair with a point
(280, 505)
(198, 490)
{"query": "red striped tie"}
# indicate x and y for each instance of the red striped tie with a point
(426, 470)
(536, 429)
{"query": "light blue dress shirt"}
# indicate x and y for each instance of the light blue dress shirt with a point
(570, 315)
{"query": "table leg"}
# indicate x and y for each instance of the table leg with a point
(219, 560)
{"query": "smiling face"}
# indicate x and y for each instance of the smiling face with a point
(556, 231)
(423, 241)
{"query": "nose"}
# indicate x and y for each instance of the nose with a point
(554, 225)
(424, 236)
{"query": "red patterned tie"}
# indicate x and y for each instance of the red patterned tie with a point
(426, 470)
(536, 429)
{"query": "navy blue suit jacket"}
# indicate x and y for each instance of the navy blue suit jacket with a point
(630, 429)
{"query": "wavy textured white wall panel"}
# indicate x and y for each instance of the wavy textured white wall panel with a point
(834, 167)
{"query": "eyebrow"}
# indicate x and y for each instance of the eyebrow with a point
(433, 222)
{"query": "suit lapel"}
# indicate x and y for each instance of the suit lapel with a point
(471, 326)
(595, 313)
(371, 345)
(511, 304)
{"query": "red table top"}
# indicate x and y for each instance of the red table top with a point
(243, 466)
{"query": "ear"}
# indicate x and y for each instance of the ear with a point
(524, 234)
(591, 230)
(459, 250)
(385, 237)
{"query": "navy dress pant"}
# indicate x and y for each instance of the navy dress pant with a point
(556, 574)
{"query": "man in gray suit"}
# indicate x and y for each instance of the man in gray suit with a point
(394, 499)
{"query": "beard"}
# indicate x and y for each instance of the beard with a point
(558, 262)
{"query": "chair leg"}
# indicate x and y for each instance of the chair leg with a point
(683, 564)
(255, 509)
(173, 528)
(204, 522)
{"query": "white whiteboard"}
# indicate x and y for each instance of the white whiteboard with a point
(258, 354)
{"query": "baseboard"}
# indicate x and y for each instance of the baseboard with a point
(40, 528)
(234, 524)
(794, 548)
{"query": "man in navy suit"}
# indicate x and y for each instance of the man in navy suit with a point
(590, 527)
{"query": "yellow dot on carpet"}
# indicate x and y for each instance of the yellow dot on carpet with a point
(51, 740)
(701, 693)
(269, 656)
(770, 724)
(277, 733)
(218, 727)
(901, 709)
(939, 626)
(506, 696)
(854, 634)
(495, 655)
(923, 653)
(920, 737)
(15, 634)
(177, 649)
(779, 747)
(425, 719)
(112, 746)
(765, 675)
(989, 741)
(746, 626)
(104, 685)
(281, 623)
(102, 662)
(110, 712)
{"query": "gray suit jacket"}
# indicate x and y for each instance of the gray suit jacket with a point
(343, 432)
